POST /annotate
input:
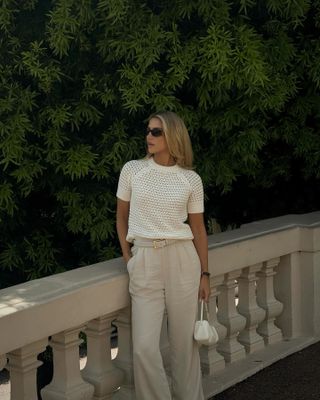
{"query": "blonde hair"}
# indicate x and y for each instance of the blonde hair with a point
(177, 137)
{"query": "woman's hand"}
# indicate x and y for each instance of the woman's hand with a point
(204, 289)
(127, 257)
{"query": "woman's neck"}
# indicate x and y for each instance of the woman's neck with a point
(164, 159)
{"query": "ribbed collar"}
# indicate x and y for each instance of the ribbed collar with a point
(163, 167)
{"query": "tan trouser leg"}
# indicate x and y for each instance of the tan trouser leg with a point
(182, 285)
(159, 278)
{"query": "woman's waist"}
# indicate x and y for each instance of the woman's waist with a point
(156, 243)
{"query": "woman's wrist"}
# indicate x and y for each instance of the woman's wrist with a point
(127, 255)
(205, 273)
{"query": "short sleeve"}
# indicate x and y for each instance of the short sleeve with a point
(124, 184)
(195, 202)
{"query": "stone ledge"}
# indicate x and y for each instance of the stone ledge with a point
(263, 227)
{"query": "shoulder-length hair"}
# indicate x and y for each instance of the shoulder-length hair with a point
(177, 137)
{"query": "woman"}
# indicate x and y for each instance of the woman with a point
(168, 263)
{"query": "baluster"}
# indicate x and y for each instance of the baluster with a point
(249, 308)
(67, 382)
(124, 359)
(267, 301)
(23, 364)
(100, 370)
(228, 316)
(211, 360)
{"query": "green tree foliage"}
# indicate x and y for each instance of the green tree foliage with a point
(78, 78)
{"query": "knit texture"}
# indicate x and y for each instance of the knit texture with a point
(160, 199)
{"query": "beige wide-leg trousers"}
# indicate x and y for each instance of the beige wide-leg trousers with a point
(165, 278)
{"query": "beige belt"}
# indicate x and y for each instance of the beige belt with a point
(155, 243)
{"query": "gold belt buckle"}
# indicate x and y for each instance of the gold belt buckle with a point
(155, 243)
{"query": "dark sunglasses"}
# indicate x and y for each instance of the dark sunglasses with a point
(156, 132)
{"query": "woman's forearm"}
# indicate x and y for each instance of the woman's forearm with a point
(201, 244)
(200, 238)
(123, 208)
(122, 230)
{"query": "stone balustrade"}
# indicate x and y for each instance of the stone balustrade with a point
(265, 304)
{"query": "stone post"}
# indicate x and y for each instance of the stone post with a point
(23, 364)
(228, 316)
(124, 359)
(67, 382)
(267, 301)
(100, 370)
(249, 308)
(212, 361)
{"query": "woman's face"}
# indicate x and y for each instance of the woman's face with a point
(156, 144)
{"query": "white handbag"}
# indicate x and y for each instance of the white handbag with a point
(204, 333)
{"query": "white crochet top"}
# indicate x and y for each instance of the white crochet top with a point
(160, 199)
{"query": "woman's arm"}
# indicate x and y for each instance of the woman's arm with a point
(200, 238)
(123, 208)
(201, 244)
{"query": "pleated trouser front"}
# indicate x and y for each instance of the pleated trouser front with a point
(165, 278)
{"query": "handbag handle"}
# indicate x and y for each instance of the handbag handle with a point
(201, 310)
